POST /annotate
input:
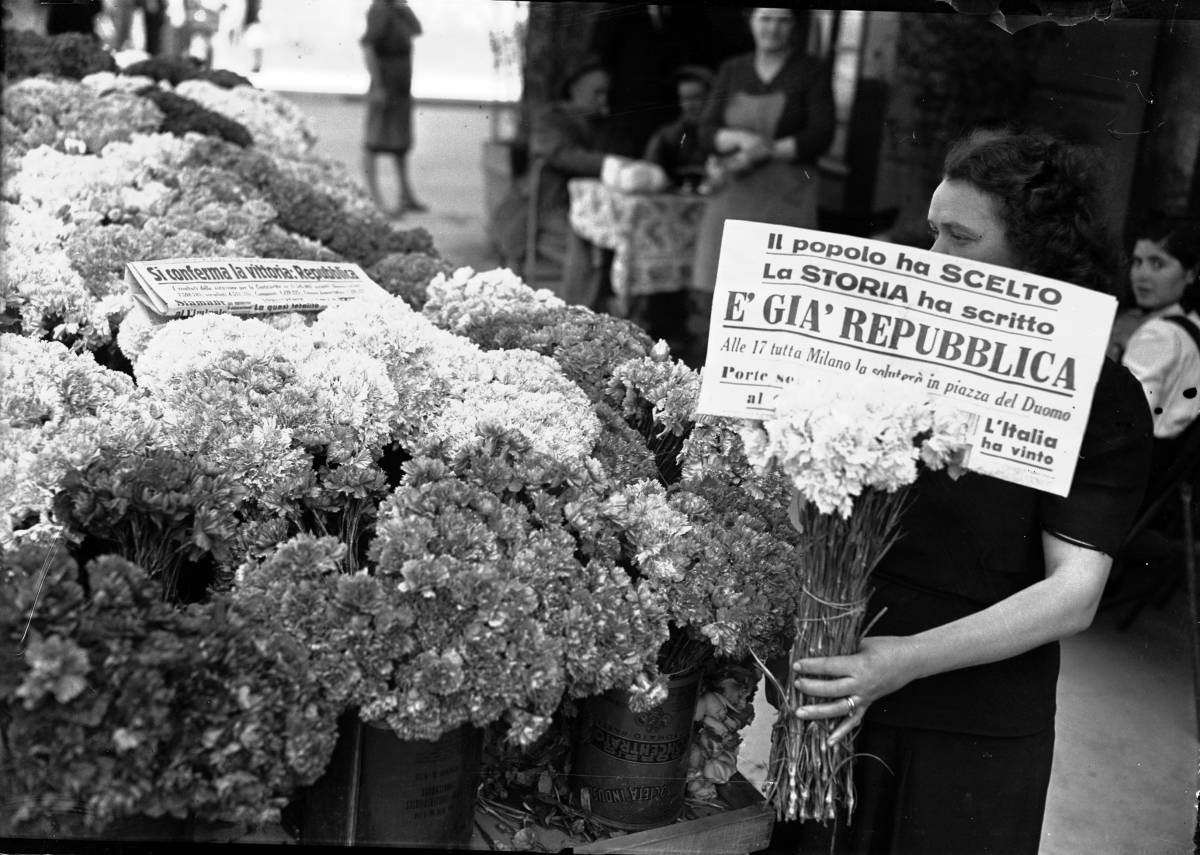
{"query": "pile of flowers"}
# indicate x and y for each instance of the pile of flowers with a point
(849, 452)
(118, 704)
(101, 168)
(725, 707)
(457, 501)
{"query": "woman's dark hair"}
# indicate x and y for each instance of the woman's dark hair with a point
(1179, 238)
(1051, 195)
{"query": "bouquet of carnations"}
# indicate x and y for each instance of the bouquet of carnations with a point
(850, 450)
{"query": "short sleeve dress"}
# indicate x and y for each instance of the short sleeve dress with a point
(961, 760)
(391, 27)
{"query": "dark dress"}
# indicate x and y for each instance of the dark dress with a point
(960, 761)
(74, 17)
(677, 149)
(797, 102)
(642, 53)
(391, 27)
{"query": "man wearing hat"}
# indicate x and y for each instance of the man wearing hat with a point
(572, 138)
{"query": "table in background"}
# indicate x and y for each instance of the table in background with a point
(652, 236)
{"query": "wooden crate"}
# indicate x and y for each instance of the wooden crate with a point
(745, 827)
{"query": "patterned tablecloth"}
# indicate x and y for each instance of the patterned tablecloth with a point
(653, 235)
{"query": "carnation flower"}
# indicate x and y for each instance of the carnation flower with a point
(456, 301)
(835, 442)
(274, 122)
(126, 706)
(73, 117)
(58, 411)
(57, 667)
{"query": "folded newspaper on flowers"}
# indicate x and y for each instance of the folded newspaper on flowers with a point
(179, 287)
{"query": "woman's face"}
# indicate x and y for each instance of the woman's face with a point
(1158, 278)
(772, 28)
(965, 222)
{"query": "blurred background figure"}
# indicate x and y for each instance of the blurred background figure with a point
(1164, 350)
(231, 24)
(75, 17)
(201, 27)
(571, 138)
(388, 53)
(769, 118)
(1158, 339)
(253, 35)
(153, 14)
(676, 147)
(642, 44)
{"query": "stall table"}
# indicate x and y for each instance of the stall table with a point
(741, 828)
(652, 237)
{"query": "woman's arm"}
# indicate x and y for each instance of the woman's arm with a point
(811, 141)
(714, 136)
(556, 141)
(1060, 605)
(376, 30)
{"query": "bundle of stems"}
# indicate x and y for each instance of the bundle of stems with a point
(809, 778)
(683, 652)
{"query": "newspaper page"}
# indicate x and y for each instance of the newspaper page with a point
(177, 287)
(1020, 353)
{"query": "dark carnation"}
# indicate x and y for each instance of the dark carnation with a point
(184, 114)
(118, 705)
(74, 55)
(406, 274)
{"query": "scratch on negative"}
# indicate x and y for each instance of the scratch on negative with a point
(1114, 133)
(1149, 99)
(38, 594)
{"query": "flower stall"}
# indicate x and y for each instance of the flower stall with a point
(252, 565)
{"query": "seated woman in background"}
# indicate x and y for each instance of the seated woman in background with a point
(1163, 352)
(676, 147)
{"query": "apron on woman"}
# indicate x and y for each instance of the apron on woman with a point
(777, 192)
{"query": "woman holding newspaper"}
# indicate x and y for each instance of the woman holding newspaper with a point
(955, 685)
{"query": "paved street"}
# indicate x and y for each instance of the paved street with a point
(445, 168)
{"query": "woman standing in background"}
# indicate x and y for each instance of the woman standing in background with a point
(770, 116)
(388, 52)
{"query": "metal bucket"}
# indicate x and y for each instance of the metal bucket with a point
(383, 790)
(631, 768)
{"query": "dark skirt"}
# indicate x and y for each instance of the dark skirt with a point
(389, 126)
(389, 121)
(926, 792)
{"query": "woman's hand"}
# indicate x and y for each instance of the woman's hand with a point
(732, 140)
(756, 150)
(852, 683)
(1060, 605)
